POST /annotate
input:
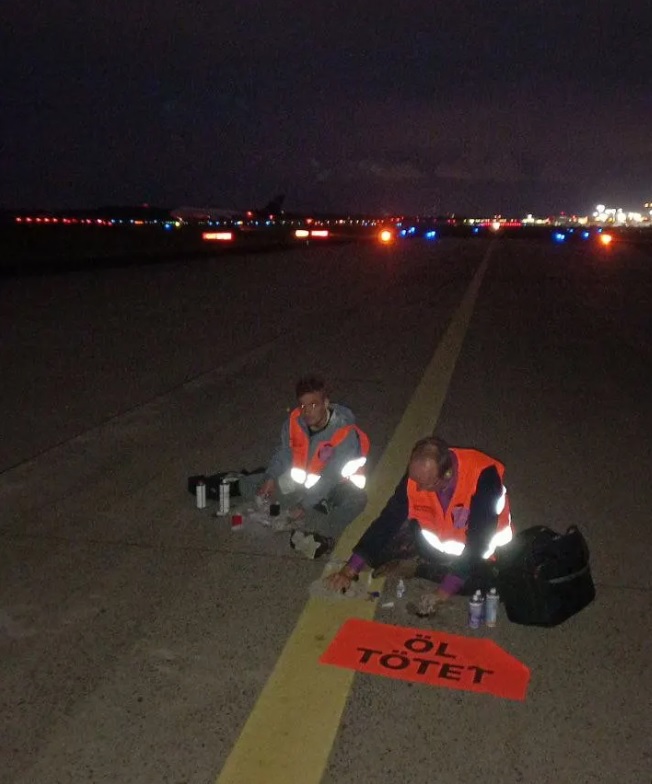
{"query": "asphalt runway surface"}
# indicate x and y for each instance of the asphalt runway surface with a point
(143, 641)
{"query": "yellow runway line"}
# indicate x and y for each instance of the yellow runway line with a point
(290, 732)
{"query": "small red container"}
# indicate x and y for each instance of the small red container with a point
(236, 522)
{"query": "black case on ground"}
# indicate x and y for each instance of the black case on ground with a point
(544, 576)
(193, 481)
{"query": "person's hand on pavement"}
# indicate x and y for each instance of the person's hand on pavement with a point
(429, 604)
(267, 489)
(296, 513)
(341, 580)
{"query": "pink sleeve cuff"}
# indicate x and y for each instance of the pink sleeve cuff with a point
(356, 563)
(452, 584)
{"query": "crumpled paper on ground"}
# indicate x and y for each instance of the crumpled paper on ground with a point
(363, 588)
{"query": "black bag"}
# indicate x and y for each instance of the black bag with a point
(193, 481)
(544, 577)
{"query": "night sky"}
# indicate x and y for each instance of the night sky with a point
(470, 107)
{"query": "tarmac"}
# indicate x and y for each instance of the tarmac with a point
(142, 640)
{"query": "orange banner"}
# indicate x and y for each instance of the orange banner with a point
(428, 656)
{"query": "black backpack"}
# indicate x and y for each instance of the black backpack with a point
(544, 577)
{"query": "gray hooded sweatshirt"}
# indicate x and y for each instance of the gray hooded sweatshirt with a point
(331, 475)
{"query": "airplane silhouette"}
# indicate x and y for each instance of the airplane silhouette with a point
(269, 211)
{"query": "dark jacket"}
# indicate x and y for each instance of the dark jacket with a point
(374, 547)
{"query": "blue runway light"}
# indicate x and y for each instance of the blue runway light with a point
(559, 236)
(476, 230)
(585, 235)
(431, 235)
(403, 233)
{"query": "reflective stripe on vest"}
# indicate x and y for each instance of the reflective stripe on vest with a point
(308, 472)
(439, 529)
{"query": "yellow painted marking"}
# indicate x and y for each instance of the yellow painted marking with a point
(291, 729)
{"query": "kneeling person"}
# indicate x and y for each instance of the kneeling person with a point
(447, 516)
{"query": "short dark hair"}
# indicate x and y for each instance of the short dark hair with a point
(311, 383)
(433, 448)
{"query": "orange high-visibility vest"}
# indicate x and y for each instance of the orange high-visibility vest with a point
(446, 531)
(307, 471)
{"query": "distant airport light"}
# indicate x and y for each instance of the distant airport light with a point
(319, 233)
(301, 233)
(217, 236)
(431, 235)
(606, 239)
(495, 225)
(559, 236)
(386, 236)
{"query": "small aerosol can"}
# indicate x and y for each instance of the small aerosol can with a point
(491, 607)
(200, 494)
(476, 606)
(224, 499)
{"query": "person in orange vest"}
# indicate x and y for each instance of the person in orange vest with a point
(444, 522)
(318, 465)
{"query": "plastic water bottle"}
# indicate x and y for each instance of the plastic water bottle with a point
(491, 607)
(223, 503)
(262, 504)
(400, 589)
(200, 494)
(476, 605)
(262, 513)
